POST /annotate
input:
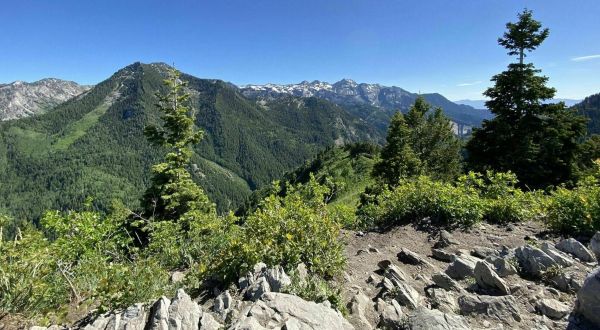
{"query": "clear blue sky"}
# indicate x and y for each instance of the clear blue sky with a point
(429, 46)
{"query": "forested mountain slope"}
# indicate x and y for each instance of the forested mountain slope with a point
(590, 107)
(94, 145)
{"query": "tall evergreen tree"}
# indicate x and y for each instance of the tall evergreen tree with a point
(173, 192)
(535, 140)
(420, 142)
(398, 160)
(433, 141)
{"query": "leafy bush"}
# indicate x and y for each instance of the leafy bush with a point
(504, 201)
(423, 197)
(295, 228)
(314, 288)
(576, 210)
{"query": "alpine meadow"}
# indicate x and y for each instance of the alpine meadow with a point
(155, 199)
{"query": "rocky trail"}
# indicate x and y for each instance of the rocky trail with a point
(490, 277)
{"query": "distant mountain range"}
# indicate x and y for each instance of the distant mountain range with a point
(373, 102)
(590, 107)
(21, 99)
(480, 104)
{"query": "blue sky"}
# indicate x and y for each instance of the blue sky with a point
(429, 46)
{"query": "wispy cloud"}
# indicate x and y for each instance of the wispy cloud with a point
(585, 58)
(470, 83)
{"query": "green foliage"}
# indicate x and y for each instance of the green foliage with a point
(504, 201)
(81, 259)
(173, 192)
(414, 199)
(315, 288)
(295, 228)
(590, 108)
(536, 141)
(420, 142)
(575, 210)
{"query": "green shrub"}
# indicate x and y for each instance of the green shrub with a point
(423, 197)
(295, 228)
(504, 202)
(574, 211)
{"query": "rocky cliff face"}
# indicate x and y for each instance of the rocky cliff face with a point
(21, 99)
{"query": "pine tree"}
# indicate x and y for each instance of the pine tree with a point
(433, 141)
(398, 160)
(173, 192)
(537, 141)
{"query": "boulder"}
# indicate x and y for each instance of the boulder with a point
(553, 308)
(566, 281)
(534, 261)
(427, 319)
(445, 239)
(445, 282)
(277, 278)
(222, 302)
(487, 278)
(442, 255)
(502, 266)
(184, 314)
(406, 295)
(395, 274)
(208, 322)
(595, 245)
(442, 300)
(360, 305)
(573, 247)
(159, 312)
(177, 276)
(391, 316)
(482, 252)
(499, 307)
(409, 257)
(588, 298)
(559, 257)
(461, 268)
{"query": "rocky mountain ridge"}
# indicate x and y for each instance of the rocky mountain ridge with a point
(22, 99)
(375, 97)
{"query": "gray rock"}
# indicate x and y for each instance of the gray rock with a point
(257, 289)
(442, 300)
(534, 261)
(595, 245)
(501, 308)
(445, 282)
(277, 278)
(502, 266)
(184, 314)
(461, 268)
(302, 272)
(559, 257)
(406, 295)
(483, 252)
(566, 281)
(313, 315)
(445, 239)
(360, 305)
(427, 319)
(588, 298)
(391, 316)
(159, 319)
(395, 274)
(553, 308)
(442, 255)
(177, 277)
(208, 322)
(487, 278)
(222, 302)
(133, 318)
(409, 257)
(572, 246)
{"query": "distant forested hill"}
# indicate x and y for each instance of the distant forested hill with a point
(93, 145)
(590, 107)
